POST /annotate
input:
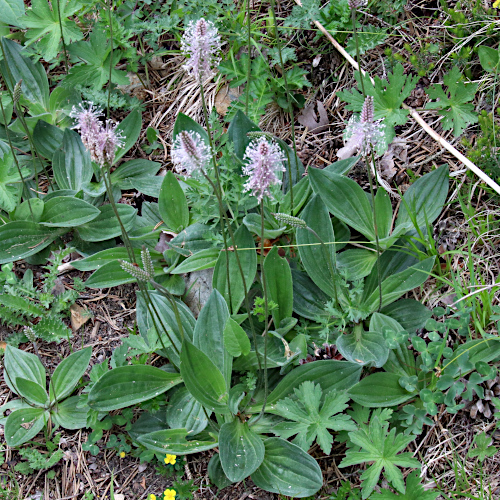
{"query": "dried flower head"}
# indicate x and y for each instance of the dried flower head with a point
(363, 132)
(356, 4)
(101, 140)
(265, 159)
(190, 153)
(290, 220)
(201, 43)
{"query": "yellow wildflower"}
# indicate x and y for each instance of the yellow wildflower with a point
(169, 494)
(496, 4)
(170, 459)
(151, 496)
(122, 454)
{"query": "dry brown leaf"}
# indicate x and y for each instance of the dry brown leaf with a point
(3, 345)
(308, 118)
(225, 97)
(79, 316)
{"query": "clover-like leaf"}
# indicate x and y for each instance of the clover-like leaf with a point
(483, 448)
(312, 415)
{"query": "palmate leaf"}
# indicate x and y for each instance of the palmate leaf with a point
(311, 416)
(43, 23)
(382, 447)
(453, 104)
(95, 71)
(414, 491)
(303, 15)
(388, 96)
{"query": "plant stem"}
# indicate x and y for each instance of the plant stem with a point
(266, 312)
(62, 37)
(290, 106)
(249, 72)
(105, 172)
(110, 56)
(223, 215)
(368, 169)
(16, 161)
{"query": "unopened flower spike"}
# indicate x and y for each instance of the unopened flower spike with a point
(290, 220)
(16, 94)
(28, 331)
(201, 43)
(135, 271)
(147, 262)
(190, 153)
(264, 159)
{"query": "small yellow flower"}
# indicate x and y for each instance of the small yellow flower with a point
(170, 459)
(169, 494)
(151, 496)
(122, 454)
(496, 4)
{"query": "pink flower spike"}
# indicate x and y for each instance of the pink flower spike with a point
(201, 43)
(265, 159)
(87, 122)
(362, 133)
(190, 153)
(108, 141)
(101, 140)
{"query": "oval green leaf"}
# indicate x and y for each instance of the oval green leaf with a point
(203, 379)
(241, 450)
(129, 385)
(288, 470)
(67, 211)
(379, 390)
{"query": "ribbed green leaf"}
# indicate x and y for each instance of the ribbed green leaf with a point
(241, 450)
(24, 424)
(68, 373)
(279, 285)
(380, 389)
(288, 470)
(67, 211)
(129, 385)
(174, 441)
(203, 379)
(173, 204)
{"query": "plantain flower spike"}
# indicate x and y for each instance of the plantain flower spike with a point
(362, 133)
(190, 153)
(264, 159)
(201, 44)
(101, 140)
